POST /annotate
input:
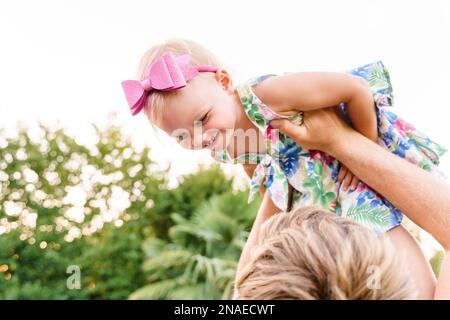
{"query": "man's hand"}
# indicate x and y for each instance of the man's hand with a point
(322, 129)
(347, 178)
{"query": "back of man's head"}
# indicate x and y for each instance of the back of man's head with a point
(312, 254)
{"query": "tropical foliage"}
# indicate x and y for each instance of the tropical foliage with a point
(200, 258)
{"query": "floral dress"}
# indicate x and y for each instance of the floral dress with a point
(312, 174)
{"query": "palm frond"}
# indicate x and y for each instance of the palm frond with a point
(155, 291)
(195, 291)
(153, 247)
(199, 261)
(184, 235)
(169, 260)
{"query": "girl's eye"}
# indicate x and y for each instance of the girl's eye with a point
(180, 138)
(205, 118)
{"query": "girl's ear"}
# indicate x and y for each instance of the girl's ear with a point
(224, 79)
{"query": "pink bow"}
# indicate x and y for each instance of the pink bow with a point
(167, 73)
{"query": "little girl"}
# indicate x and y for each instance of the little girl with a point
(184, 91)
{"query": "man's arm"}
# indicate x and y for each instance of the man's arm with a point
(423, 197)
(266, 210)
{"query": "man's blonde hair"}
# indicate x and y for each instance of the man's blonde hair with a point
(312, 254)
(154, 107)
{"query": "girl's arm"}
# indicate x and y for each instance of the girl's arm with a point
(305, 91)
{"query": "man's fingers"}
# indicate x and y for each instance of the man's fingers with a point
(284, 125)
(342, 172)
(288, 128)
(354, 183)
(347, 180)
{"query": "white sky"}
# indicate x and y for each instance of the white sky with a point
(64, 60)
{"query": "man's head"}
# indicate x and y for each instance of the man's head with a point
(312, 254)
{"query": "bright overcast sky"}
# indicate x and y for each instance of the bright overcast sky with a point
(64, 60)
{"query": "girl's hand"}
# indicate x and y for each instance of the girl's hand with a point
(347, 178)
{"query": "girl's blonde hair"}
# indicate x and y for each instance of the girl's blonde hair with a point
(312, 254)
(154, 107)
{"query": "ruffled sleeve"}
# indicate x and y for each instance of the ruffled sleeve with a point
(379, 80)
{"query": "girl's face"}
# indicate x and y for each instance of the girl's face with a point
(202, 114)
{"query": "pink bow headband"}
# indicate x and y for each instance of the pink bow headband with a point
(166, 73)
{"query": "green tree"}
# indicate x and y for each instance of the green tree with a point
(43, 231)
